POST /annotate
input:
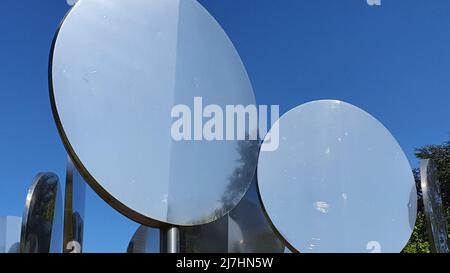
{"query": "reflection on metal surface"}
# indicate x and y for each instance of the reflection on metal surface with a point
(170, 238)
(145, 240)
(209, 238)
(74, 210)
(252, 233)
(244, 230)
(10, 227)
(112, 99)
(42, 218)
(339, 182)
(432, 201)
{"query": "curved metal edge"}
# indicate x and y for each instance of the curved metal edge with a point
(107, 197)
(28, 202)
(436, 221)
(275, 230)
(289, 245)
(68, 205)
(6, 244)
(26, 211)
(259, 139)
(73, 199)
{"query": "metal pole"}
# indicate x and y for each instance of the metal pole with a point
(170, 240)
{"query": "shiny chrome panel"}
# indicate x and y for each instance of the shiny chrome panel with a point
(145, 240)
(117, 69)
(75, 196)
(339, 182)
(42, 218)
(434, 212)
(244, 230)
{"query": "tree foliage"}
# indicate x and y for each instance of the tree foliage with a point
(440, 154)
(418, 243)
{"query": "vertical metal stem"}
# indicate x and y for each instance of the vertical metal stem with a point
(170, 240)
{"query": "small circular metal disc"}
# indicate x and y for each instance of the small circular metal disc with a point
(117, 69)
(42, 224)
(339, 182)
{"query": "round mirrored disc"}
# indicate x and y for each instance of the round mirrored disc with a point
(124, 76)
(339, 181)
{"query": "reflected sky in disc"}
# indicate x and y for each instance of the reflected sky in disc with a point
(339, 181)
(117, 70)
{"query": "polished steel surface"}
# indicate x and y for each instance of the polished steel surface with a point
(244, 230)
(433, 208)
(10, 227)
(42, 218)
(75, 196)
(170, 238)
(339, 182)
(145, 240)
(249, 231)
(117, 69)
(209, 238)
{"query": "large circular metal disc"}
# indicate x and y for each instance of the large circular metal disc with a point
(339, 182)
(117, 70)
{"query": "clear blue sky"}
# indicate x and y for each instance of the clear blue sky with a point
(393, 61)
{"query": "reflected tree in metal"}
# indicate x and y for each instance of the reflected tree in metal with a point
(249, 231)
(339, 182)
(434, 211)
(42, 218)
(244, 230)
(117, 69)
(10, 227)
(74, 205)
